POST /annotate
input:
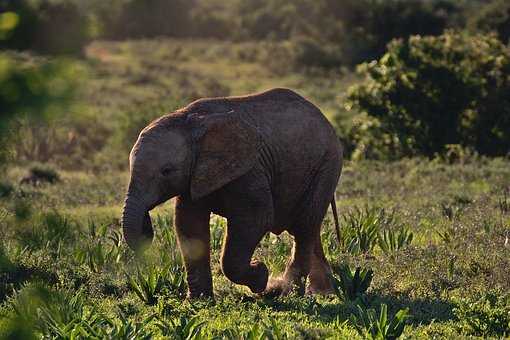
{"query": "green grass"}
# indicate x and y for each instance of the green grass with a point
(433, 234)
(66, 252)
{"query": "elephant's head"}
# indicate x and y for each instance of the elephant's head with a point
(184, 154)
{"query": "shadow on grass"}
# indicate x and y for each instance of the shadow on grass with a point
(12, 277)
(422, 310)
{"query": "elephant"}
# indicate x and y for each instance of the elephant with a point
(267, 162)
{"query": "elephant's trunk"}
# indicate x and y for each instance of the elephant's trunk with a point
(136, 223)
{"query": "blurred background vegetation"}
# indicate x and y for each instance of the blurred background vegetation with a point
(79, 79)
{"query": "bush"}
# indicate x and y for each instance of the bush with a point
(311, 53)
(368, 25)
(427, 93)
(349, 284)
(45, 26)
(32, 88)
(150, 18)
(495, 16)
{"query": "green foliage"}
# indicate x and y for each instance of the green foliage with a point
(104, 247)
(41, 174)
(362, 228)
(6, 189)
(485, 316)
(127, 329)
(33, 89)
(492, 17)
(390, 240)
(424, 86)
(371, 326)
(443, 285)
(149, 283)
(359, 233)
(50, 232)
(349, 284)
(56, 313)
(181, 328)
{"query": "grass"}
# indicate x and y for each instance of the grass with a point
(430, 237)
(452, 286)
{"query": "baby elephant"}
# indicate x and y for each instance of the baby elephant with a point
(267, 162)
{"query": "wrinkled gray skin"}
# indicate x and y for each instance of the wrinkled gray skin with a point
(267, 162)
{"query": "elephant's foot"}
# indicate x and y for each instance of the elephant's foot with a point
(282, 287)
(259, 275)
(200, 295)
(320, 289)
(320, 283)
(200, 283)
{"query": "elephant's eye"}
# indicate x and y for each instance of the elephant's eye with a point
(166, 171)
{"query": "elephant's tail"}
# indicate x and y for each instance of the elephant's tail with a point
(337, 225)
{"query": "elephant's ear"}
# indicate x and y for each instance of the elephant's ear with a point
(226, 147)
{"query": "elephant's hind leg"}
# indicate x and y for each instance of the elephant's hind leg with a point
(307, 256)
(236, 260)
(250, 217)
(320, 271)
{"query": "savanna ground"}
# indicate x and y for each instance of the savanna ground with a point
(66, 272)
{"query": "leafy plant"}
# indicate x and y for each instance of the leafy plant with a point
(349, 284)
(57, 314)
(49, 231)
(447, 235)
(126, 329)
(260, 331)
(181, 328)
(390, 241)
(95, 256)
(148, 285)
(361, 228)
(451, 211)
(217, 228)
(175, 279)
(371, 326)
(168, 240)
(99, 252)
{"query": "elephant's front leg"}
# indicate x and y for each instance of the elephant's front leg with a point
(193, 235)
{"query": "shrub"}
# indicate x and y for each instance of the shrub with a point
(429, 92)
(40, 174)
(45, 26)
(494, 16)
(308, 52)
(370, 326)
(150, 18)
(350, 285)
(147, 286)
(361, 228)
